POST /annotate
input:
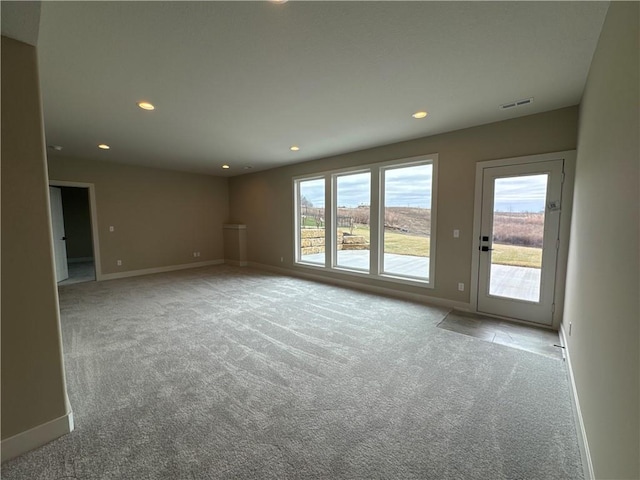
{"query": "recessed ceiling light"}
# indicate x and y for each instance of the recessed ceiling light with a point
(278, 1)
(420, 114)
(248, 167)
(104, 146)
(225, 166)
(146, 106)
(294, 148)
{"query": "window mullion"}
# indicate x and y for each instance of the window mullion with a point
(374, 222)
(330, 223)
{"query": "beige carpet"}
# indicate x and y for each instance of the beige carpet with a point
(223, 372)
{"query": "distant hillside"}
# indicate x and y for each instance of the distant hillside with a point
(516, 228)
(409, 220)
(414, 221)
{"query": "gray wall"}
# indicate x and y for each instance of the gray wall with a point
(602, 280)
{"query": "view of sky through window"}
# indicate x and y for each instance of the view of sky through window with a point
(527, 193)
(313, 191)
(354, 190)
(408, 186)
(405, 187)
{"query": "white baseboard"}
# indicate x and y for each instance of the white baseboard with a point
(80, 260)
(439, 302)
(583, 442)
(36, 436)
(237, 263)
(149, 271)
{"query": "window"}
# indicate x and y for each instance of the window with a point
(407, 209)
(351, 220)
(380, 220)
(310, 221)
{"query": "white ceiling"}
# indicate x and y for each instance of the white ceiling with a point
(240, 82)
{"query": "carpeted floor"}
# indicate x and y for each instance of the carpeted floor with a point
(224, 372)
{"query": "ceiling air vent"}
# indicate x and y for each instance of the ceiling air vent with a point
(517, 103)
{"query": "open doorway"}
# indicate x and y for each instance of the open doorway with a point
(73, 234)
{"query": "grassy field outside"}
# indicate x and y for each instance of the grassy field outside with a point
(418, 246)
(399, 243)
(410, 243)
(516, 255)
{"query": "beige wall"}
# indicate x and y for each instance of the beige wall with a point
(160, 217)
(235, 244)
(264, 200)
(602, 282)
(33, 387)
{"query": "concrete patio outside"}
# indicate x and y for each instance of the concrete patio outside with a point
(522, 283)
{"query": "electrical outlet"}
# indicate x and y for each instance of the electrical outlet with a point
(461, 287)
(111, 228)
(281, 259)
(456, 233)
(194, 254)
(197, 254)
(119, 263)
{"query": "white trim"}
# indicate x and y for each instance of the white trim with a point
(583, 442)
(169, 268)
(385, 277)
(439, 302)
(236, 263)
(93, 217)
(569, 157)
(37, 436)
(433, 222)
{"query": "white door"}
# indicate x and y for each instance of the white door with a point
(59, 240)
(519, 240)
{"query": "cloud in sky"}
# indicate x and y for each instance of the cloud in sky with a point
(354, 189)
(525, 193)
(313, 190)
(411, 186)
(406, 186)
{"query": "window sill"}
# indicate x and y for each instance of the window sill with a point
(413, 281)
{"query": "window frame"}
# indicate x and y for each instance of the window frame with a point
(376, 193)
(334, 217)
(296, 209)
(432, 222)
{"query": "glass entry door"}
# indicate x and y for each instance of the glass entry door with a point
(519, 240)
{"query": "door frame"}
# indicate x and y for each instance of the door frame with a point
(58, 233)
(93, 217)
(569, 157)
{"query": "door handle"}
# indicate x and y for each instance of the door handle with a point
(485, 249)
(63, 238)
